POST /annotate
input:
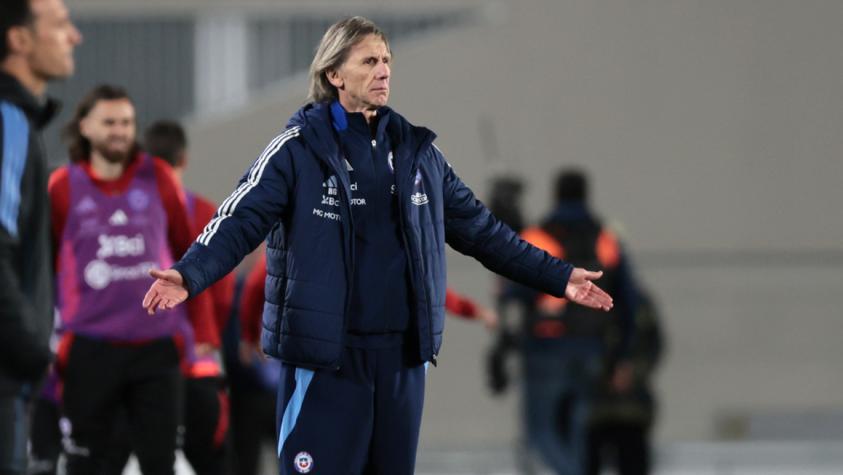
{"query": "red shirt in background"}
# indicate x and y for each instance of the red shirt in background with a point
(222, 292)
(460, 305)
(251, 302)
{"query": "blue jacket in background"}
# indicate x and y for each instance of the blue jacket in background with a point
(26, 265)
(296, 195)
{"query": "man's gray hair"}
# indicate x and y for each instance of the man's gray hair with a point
(333, 51)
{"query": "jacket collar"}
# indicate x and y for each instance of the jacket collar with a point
(571, 211)
(408, 141)
(343, 120)
(40, 112)
(317, 129)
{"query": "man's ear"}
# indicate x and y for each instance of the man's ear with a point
(334, 78)
(19, 39)
(84, 123)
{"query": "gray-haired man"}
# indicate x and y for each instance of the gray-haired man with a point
(358, 204)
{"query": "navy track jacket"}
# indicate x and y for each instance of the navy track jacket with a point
(296, 195)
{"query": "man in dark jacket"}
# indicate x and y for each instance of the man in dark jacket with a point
(565, 348)
(358, 204)
(37, 45)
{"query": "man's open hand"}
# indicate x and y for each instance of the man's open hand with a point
(583, 291)
(166, 292)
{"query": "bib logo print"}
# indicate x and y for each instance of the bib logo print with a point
(138, 200)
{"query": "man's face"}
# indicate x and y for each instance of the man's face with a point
(110, 127)
(53, 38)
(363, 79)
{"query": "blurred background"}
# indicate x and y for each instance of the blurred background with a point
(712, 134)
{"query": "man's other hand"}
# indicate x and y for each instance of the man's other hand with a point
(583, 291)
(166, 292)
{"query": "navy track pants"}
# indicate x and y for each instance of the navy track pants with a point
(361, 419)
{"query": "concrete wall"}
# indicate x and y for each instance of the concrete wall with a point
(712, 130)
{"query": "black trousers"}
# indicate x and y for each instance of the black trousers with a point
(203, 416)
(13, 433)
(45, 438)
(252, 427)
(627, 444)
(100, 380)
(206, 423)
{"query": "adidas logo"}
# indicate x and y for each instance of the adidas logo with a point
(119, 218)
(331, 182)
(331, 185)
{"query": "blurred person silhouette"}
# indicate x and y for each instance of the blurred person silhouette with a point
(505, 201)
(45, 441)
(254, 377)
(116, 213)
(563, 347)
(38, 40)
(204, 401)
(358, 204)
(624, 408)
(205, 414)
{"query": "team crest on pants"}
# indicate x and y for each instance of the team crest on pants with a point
(303, 462)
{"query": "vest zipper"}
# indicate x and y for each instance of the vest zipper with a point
(402, 217)
(345, 203)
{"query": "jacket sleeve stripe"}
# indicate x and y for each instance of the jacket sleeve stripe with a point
(257, 169)
(230, 203)
(225, 208)
(228, 206)
(15, 141)
(244, 187)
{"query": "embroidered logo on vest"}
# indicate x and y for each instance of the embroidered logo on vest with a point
(138, 200)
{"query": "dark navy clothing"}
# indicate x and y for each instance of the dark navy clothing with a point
(378, 246)
(299, 191)
(358, 218)
(26, 282)
(361, 419)
(575, 221)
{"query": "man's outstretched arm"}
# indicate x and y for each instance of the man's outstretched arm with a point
(471, 229)
(240, 224)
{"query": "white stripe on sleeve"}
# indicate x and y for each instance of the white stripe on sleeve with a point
(228, 206)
